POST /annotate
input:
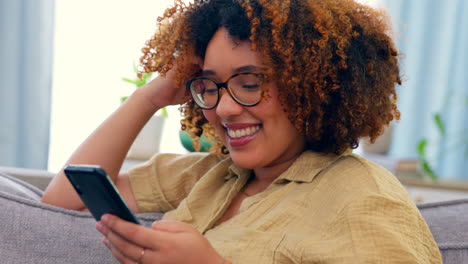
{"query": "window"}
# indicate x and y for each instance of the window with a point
(96, 44)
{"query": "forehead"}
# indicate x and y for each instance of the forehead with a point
(225, 55)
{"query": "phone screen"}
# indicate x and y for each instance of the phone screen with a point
(98, 192)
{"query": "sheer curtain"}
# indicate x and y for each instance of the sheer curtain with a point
(26, 30)
(433, 37)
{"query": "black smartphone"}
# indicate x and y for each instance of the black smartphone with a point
(98, 192)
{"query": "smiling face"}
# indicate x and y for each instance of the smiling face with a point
(260, 136)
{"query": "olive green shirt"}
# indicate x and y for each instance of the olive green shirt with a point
(323, 209)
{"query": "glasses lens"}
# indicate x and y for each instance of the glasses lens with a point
(246, 88)
(204, 92)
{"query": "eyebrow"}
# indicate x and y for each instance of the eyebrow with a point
(246, 68)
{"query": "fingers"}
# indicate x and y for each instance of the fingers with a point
(117, 254)
(134, 233)
(124, 250)
(125, 247)
(123, 257)
(166, 241)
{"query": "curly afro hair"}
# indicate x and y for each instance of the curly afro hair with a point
(334, 61)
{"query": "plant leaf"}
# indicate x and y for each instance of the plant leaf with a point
(147, 75)
(428, 170)
(422, 148)
(439, 123)
(140, 83)
(130, 81)
(164, 112)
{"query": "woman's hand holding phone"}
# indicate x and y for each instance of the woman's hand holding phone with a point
(98, 192)
(165, 242)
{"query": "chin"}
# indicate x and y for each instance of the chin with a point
(245, 161)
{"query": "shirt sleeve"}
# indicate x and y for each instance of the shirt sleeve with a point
(161, 183)
(382, 229)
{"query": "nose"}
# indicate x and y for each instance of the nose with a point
(227, 107)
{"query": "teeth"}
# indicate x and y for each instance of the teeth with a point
(242, 132)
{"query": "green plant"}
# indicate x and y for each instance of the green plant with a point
(138, 82)
(456, 142)
(426, 166)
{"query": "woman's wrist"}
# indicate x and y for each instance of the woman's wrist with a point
(144, 100)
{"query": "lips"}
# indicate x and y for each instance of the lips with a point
(241, 134)
(238, 133)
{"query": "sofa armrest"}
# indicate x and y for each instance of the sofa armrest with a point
(448, 221)
(38, 178)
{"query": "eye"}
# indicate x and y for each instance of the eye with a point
(203, 86)
(211, 91)
(247, 82)
(250, 82)
(198, 87)
(250, 86)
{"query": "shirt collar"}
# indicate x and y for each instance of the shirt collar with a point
(236, 171)
(308, 165)
(304, 168)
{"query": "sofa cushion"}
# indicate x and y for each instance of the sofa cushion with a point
(448, 221)
(19, 188)
(38, 178)
(33, 232)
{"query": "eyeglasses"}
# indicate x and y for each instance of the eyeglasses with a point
(245, 88)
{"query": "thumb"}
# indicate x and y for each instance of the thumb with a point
(172, 226)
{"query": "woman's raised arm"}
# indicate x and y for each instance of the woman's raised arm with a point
(107, 146)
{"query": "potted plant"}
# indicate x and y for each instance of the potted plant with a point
(454, 141)
(148, 140)
(187, 142)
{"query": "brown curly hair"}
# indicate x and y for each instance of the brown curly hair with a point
(334, 61)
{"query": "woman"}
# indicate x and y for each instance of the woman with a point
(285, 89)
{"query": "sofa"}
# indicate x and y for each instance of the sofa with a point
(42, 233)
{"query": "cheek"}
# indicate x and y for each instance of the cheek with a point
(279, 122)
(210, 115)
(212, 118)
